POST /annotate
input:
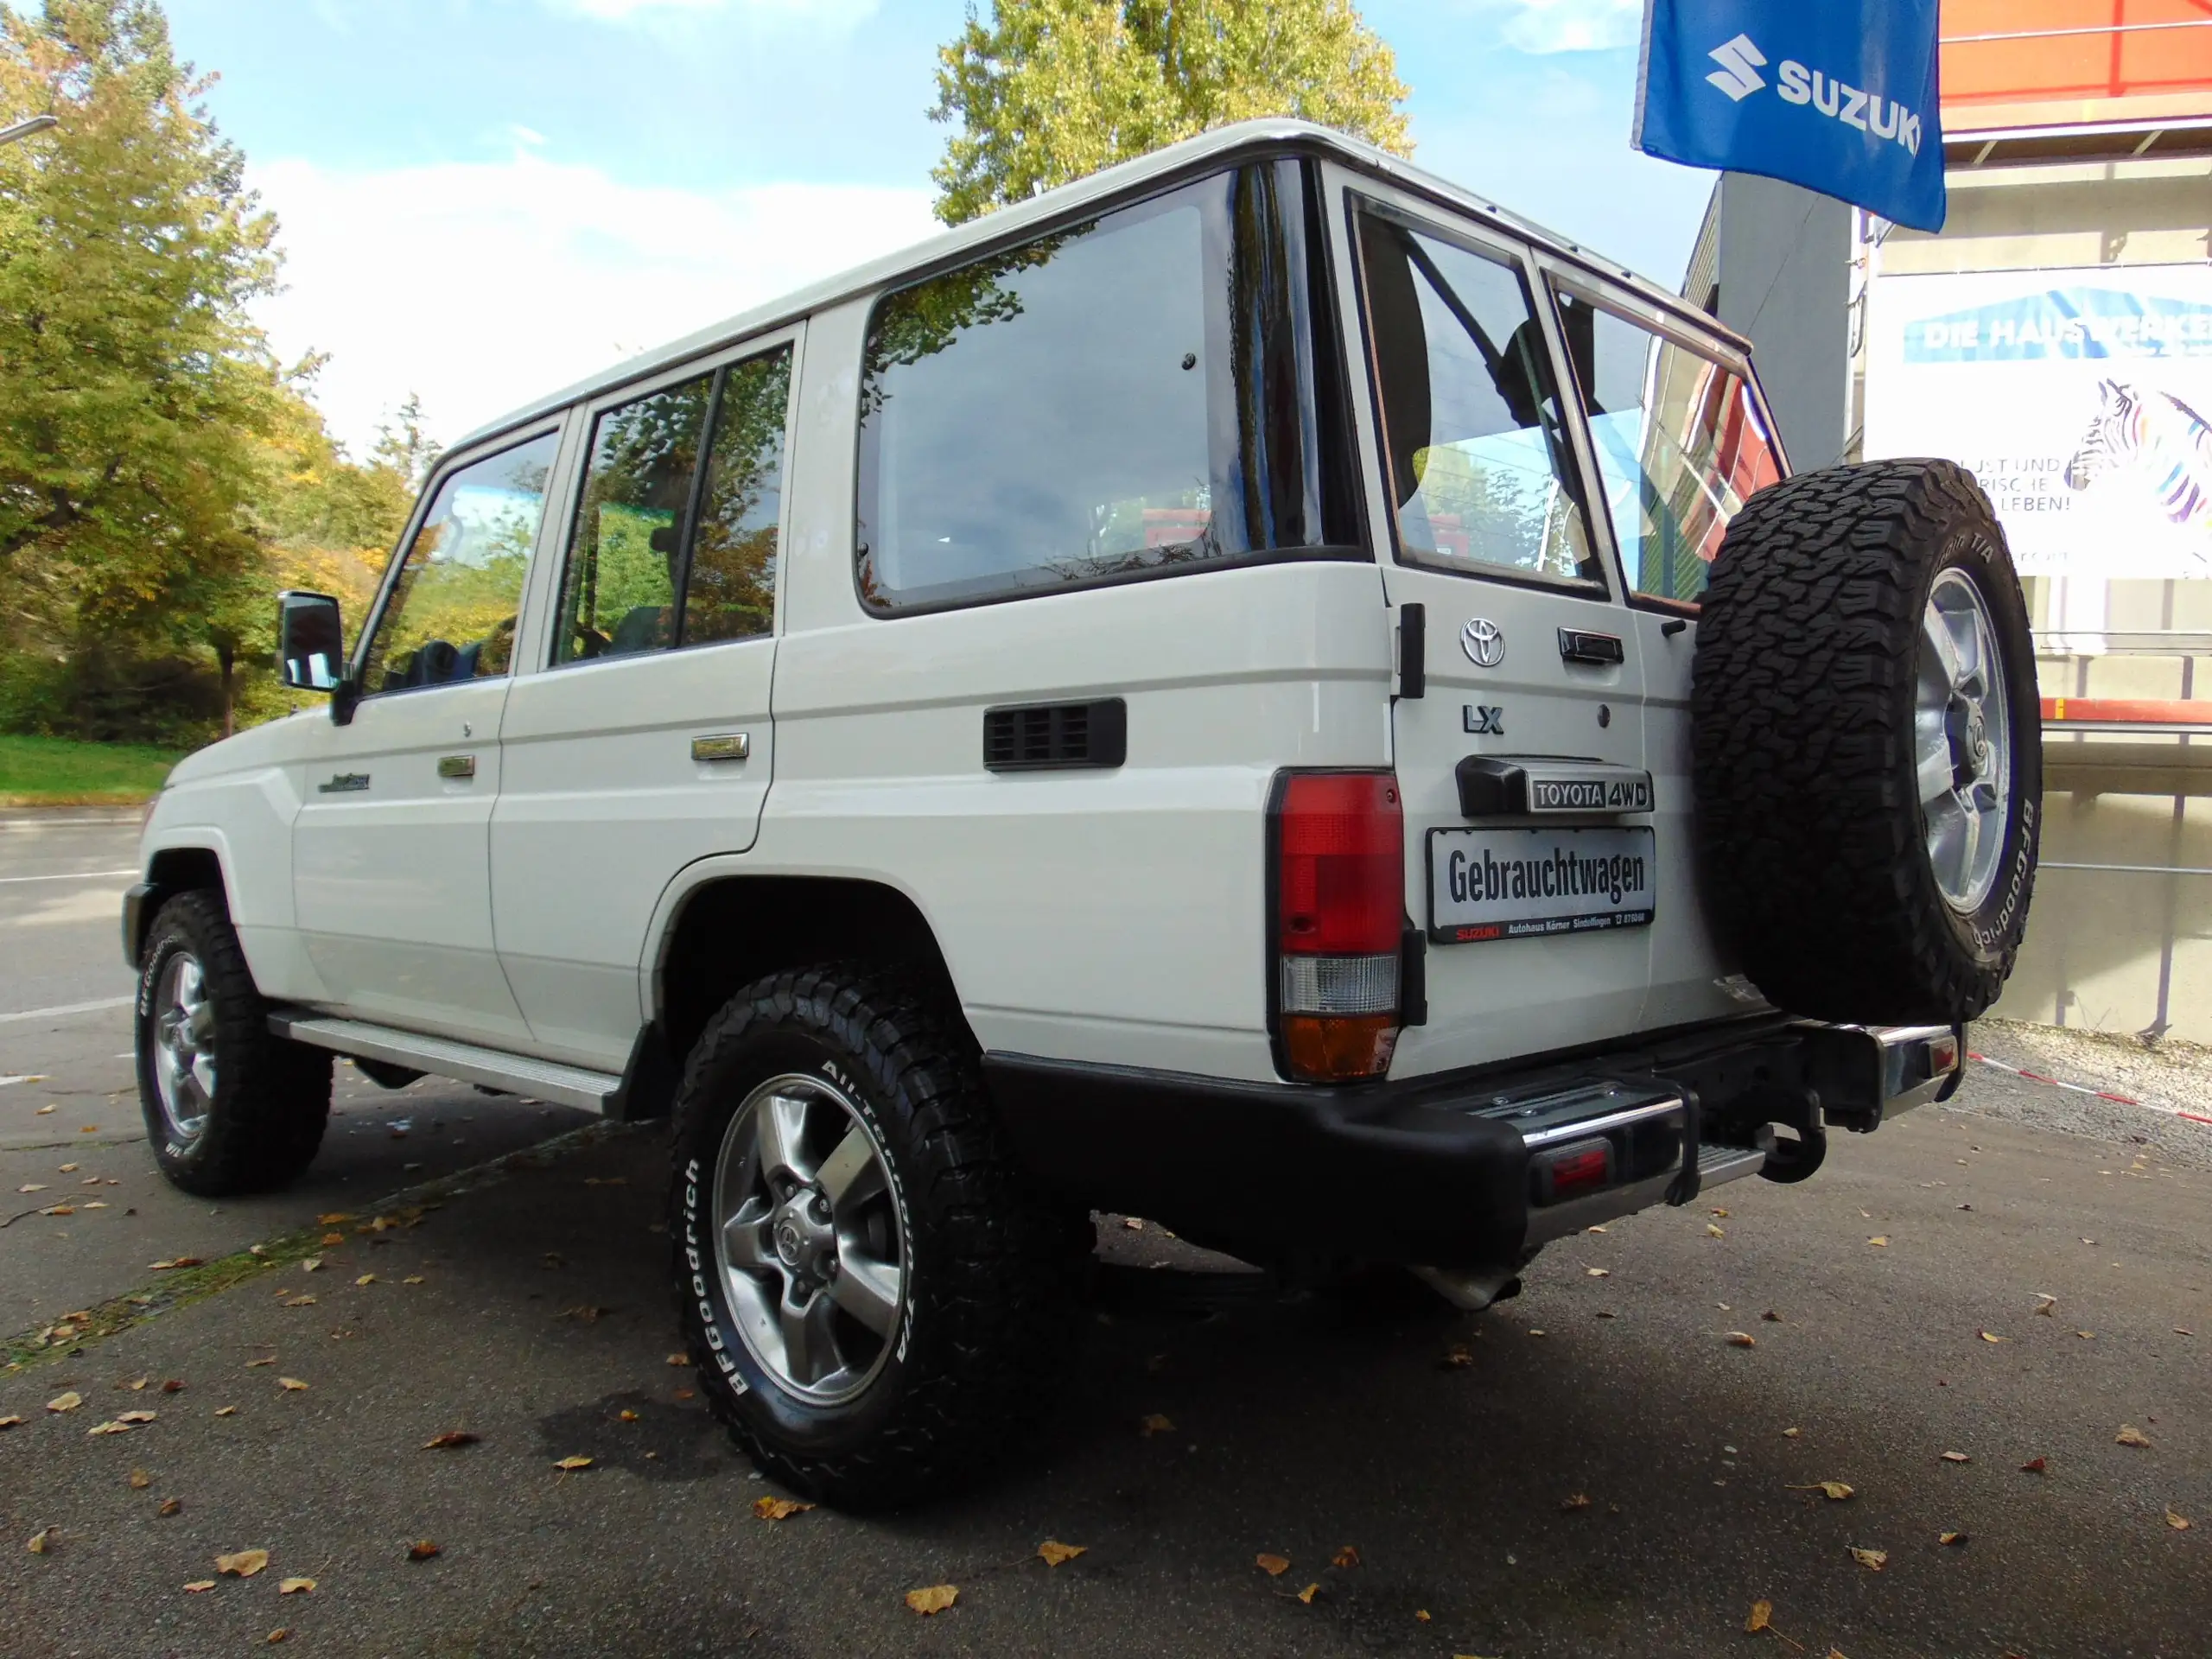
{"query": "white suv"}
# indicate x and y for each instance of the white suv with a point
(1255, 677)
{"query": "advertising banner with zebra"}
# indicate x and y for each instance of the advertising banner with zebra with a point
(2082, 399)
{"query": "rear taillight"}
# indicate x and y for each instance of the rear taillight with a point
(1339, 866)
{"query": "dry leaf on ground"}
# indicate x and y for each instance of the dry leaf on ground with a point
(935, 1599)
(300, 1301)
(333, 1238)
(226, 1411)
(1308, 1593)
(199, 1586)
(171, 1506)
(136, 1416)
(139, 1479)
(1793, 1433)
(1712, 1231)
(2035, 1466)
(291, 1384)
(1950, 1537)
(1348, 1556)
(2131, 1435)
(1956, 1456)
(244, 1564)
(1155, 1423)
(1872, 1560)
(627, 1416)
(172, 1385)
(2179, 1522)
(296, 1586)
(281, 1633)
(10, 1421)
(679, 1359)
(336, 1218)
(778, 1508)
(412, 1278)
(1579, 1501)
(1273, 1566)
(1599, 1273)
(1880, 1241)
(1990, 1335)
(180, 1261)
(423, 1549)
(43, 1540)
(114, 1426)
(367, 1279)
(1742, 1339)
(2044, 1304)
(566, 1465)
(68, 1401)
(1835, 1489)
(1457, 1358)
(1054, 1551)
(452, 1439)
(313, 1264)
(1762, 1616)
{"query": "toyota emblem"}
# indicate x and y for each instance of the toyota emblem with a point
(1483, 641)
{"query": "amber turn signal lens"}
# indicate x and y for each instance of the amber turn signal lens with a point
(1338, 1048)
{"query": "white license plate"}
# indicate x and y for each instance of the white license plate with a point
(1520, 884)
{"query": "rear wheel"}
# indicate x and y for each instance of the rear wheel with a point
(872, 1293)
(229, 1107)
(1867, 744)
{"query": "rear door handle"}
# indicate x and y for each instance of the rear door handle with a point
(457, 767)
(722, 745)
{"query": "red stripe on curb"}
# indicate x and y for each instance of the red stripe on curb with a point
(2193, 1117)
(2123, 1099)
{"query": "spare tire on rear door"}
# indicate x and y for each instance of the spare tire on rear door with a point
(1868, 744)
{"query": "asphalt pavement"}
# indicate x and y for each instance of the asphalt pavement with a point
(1956, 1319)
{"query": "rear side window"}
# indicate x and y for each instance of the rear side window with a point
(663, 553)
(1471, 424)
(1680, 444)
(1132, 396)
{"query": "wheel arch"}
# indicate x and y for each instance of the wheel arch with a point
(169, 871)
(729, 929)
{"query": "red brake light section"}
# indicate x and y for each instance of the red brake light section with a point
(1339, 910)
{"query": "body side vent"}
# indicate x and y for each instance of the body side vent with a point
(1045, 736)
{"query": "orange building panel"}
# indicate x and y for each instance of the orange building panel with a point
(2024, 63)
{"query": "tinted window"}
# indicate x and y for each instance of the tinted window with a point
(451, 612)
(1679, 446)
(639, 577)
(731, 594)
(1470, 410)
(1125, 398)
(625, 551)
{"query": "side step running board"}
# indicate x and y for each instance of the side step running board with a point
(564, 1085)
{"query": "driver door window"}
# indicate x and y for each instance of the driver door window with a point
(450, 615)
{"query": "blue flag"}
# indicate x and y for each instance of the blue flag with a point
(1840, 96)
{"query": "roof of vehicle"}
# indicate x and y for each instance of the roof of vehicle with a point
(1015, 223)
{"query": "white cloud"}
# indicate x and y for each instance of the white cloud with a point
(1548, 26)
(482, 285)
(837, 14)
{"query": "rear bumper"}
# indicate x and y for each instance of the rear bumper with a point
(1460, 1170)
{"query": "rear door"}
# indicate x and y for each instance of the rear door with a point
(1678, 439)
(1537, 903)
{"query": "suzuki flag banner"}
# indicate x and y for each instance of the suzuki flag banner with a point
(1837, 95)
(2082, 400)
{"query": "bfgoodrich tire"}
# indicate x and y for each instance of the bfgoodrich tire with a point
(229, 1108)
(1868, 745)
(874, 1296)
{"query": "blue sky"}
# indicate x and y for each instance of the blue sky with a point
(484, 199)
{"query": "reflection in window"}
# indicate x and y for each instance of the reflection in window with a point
(624, 555)
(731, 590)
(1122, 398)
(1470, 411)
(1679, 446)
(451, 613)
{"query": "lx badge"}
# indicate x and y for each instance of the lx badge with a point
(1485, 722)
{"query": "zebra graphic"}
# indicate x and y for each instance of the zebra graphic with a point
(2158, 436)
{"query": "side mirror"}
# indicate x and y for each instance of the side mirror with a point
(310, 642)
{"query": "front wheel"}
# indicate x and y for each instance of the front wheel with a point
(230, 1108)
(872, 1291)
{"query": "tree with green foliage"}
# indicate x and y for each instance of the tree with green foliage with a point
(1049, 91)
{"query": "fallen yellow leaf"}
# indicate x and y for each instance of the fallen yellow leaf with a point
(1273, 1566)
(140, 1480)
(43, 1540)
(1348, 1556)
(1950, 1537)
(291, 1384)
(1872, 1560)
(333, 1238)
(423, 1549)
(296, 1586)
(1742, 1339)
(367, 1279)
(1835, 1489)
(776, 1508)
(1956, 1456)
(1054, 1551)
(226, 1411)
(313, 1264)
(301, 1302)
(1762, 1616)
(1793, 1433)
(1155, 1423)
(1308, 1593)
(281, 1633)
(336, 1218)
(68, 1401)
(199, 1586)
(1458, 1357)
(1580, 1501)
(1421, 1614)
(2179, 1522)
(935, 1599)
(412, 1278)
(10, 1421)
(452, 1440)
(242, 1565)
(1990, 1335)
(111, 1427)
(1880, 1241)
(566, 1463)
(1712, 1231)
(136, 1416)
(171, 1506)
(1599, 1273)
(2131, 1435)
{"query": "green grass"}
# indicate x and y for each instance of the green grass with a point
(58, 772)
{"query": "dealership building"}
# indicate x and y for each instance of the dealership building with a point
(2055, 337)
